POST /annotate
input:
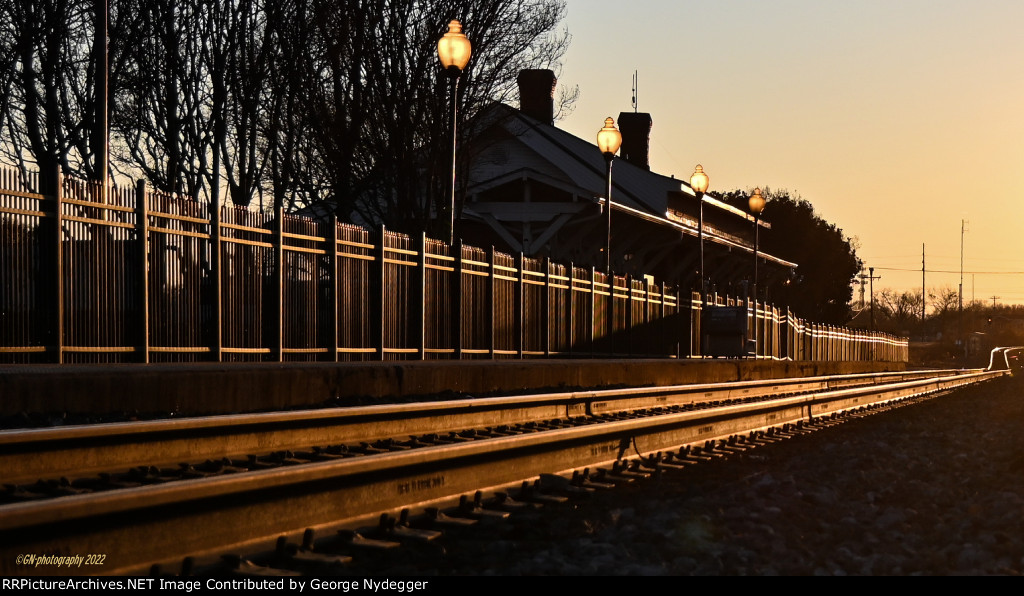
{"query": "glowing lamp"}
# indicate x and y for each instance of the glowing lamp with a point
(756, 202)
(699, 180)
(609, 138)
(454, 48)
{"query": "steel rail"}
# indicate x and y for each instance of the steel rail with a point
(83, 450)
(134, 528)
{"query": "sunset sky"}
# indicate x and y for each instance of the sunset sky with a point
(896, 119)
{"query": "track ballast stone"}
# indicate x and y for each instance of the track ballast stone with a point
(935, 488)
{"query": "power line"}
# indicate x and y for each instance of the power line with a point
(956, 271)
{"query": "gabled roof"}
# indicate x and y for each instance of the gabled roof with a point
(532, 149)
(550, 150)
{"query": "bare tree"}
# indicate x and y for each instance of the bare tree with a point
(409, 142)
(900, 308)
(310, 101)
(944, 300)
(241, 47)
(286, 131)
(48, 88)
(8, 70)
(164, 97)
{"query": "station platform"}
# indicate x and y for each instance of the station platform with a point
(218, 388)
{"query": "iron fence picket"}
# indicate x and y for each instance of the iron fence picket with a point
(230, 284)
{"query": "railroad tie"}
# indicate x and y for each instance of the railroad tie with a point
(357, 540)
(440, 519)
(399, 529)
(239, 567)
(475, 509)
(304, 558)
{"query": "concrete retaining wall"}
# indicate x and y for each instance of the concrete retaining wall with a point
(198, 389)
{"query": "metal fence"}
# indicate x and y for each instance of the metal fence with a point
(143, 276)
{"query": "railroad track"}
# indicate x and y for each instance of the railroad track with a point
(249, 480)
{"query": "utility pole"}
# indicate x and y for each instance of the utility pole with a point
(960, 307)
(872, 278)
(994, 298)
(862, 280)
(924, 296)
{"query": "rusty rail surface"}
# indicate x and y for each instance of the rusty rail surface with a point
(135, 528)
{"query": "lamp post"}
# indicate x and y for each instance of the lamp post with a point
(756, 203)
(699, 183)
(608, 140)
(454, 51)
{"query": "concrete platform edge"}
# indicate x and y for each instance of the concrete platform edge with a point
(205, 389)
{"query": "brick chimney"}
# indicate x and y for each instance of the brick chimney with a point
(537, 94)
(636, 138)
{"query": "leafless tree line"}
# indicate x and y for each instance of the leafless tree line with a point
(279, 102)
(900, 311)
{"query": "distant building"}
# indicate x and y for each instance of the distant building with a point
(536, 189)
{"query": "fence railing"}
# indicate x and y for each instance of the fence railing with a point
(144, 276)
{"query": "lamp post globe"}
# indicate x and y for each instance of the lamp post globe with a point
(699, 182)
(756, 202)
(454, 48)
(454, 51)
(608, 141)
(609, 138)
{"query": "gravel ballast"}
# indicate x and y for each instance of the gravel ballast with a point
(933, 488)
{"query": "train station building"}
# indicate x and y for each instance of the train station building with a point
(534, 188)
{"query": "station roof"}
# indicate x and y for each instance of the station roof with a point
(529, 148)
